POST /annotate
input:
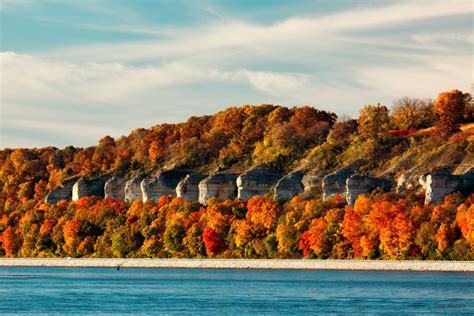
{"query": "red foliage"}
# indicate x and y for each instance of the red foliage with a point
(213, 242)
(11, 243)
(399, 133)
(304, 243)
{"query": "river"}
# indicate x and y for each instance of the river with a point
(231, 291)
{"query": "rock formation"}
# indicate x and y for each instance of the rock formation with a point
(257, 181)
(188, 188)
(410, 182)
(62, 192)
(312, 180)
(161, 183)
(438, 185)
(133, 190)
(357, 185)
(115, 188)
(89, 187)
(289, 186)
(335, 183)
(220, 185)
(467, 182)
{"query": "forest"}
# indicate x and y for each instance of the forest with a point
(438, 133)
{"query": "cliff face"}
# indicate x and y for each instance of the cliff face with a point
(335, 183)
(61, 192)
(357, 185)
(89, 187)
(188, 188)
(410, 182)
(313, 179)
(257, 181)
(115, 188)
(439, 185)
(289, 186)
(220, 185)
(161, 183)
(133, 190)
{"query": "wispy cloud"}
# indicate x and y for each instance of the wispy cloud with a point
(12, 4)
(338, 61)
(299, 31)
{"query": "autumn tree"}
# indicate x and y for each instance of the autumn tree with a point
(10, 242)
(408, 113)
(71, 236)
(341, 131)
(104, 154)
(373, 121)
(213, 242)
(262, 212)
(173, 239)
(397, 236)
(450, 106)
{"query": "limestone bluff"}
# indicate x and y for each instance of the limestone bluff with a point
(262, 150)
(258, 180)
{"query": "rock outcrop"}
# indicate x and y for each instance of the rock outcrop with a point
(357, 185)
(410, 182)
(62, 192)
(335, 183)
(89, 187)
(188, 187)
(257, 181)
(467, 182)
(161, 183)
(289, 186)
(312, 180)
(133, 190)
(438, 185)
(220, 185)
(115, 188)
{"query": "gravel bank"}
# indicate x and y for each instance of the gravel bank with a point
(405, 265)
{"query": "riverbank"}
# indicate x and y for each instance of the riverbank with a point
(302, 264)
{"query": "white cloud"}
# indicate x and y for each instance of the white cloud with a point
(41, 95)
(235, 36)
(338, 62)
(46, 80)
(420, 78)
(276, 84)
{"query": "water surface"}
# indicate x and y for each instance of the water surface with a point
(229, 291)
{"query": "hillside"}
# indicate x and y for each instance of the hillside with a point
(262, 144)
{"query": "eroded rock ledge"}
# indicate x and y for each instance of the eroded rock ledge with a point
(133, 190)
(289, 186)
(62, 191)
(257, 181)
(89, 187)
(161, 183)
(439, 185)
(188, 188)
(221, 186)
(357, 185)
(115, 188)
(335, 183)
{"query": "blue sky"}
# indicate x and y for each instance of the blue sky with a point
(74, 71)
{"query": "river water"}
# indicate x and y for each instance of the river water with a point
(230, 291)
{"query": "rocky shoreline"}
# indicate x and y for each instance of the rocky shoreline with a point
(302, 264)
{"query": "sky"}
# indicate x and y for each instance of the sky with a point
(74, 71)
